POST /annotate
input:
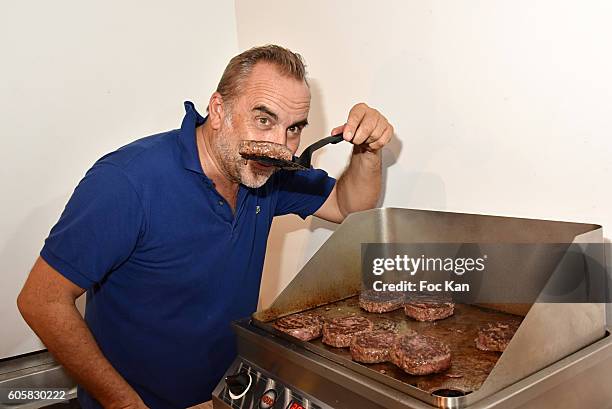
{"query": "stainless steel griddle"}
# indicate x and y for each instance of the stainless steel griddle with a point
(560, 356)
(470, 366)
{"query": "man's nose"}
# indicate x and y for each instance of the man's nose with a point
(279, 136)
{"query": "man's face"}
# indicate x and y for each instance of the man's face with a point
(272, 108)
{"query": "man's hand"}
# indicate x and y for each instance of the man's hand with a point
(359, 186)
(138, 404)
(366, 128)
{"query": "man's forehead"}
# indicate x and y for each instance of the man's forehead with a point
(267, 86)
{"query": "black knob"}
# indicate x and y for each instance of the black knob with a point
(238, 384)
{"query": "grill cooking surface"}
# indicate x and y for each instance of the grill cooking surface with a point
(470, 366)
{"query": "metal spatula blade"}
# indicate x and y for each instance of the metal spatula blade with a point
(301, 163)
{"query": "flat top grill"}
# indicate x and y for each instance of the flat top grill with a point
(329, 282)
(470, 366)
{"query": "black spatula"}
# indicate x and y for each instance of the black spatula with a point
(301, 163)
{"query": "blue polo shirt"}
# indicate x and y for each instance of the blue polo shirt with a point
(166, 262)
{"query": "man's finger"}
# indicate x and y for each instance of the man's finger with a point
(381, 126)
(337, 130)
(367, 125)
(383, 140)
(354, 119)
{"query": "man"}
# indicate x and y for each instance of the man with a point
(167, 235)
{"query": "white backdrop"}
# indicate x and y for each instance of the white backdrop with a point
(500, 107)
(80, 79)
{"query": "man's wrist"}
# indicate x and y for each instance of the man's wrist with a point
(128, 400)
(367, 156)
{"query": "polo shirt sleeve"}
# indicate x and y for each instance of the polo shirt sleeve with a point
(98, 229)
(303, 192)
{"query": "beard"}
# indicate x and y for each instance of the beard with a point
(235, 166)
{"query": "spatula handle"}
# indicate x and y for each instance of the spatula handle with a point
(305, 157)
(325, 141)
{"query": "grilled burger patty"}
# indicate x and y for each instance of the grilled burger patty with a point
(339, 332)
(425, 307)
(385, 324)
(302, 326)
(373, 346)
(262, 148)
(381, 301)
(496, 336)
(420, 354)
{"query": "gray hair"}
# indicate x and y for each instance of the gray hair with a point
(288, 63)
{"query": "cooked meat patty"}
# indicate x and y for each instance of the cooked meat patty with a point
(385, 324)
(381, 301)
(496, 336)
(420, 354)
(372, 346)
(302, 326)
(427, 307)
(339, 332)
(273, 150)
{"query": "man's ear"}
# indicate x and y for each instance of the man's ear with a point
(216, 112)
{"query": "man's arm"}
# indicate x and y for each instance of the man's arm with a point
(359, 186)
(47, 303)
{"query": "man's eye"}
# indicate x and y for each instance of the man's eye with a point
(263, 120)
(294, 129)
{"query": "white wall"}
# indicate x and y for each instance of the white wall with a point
(79, 79)
(500, 107)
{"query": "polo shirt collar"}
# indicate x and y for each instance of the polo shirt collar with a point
(187, 138)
